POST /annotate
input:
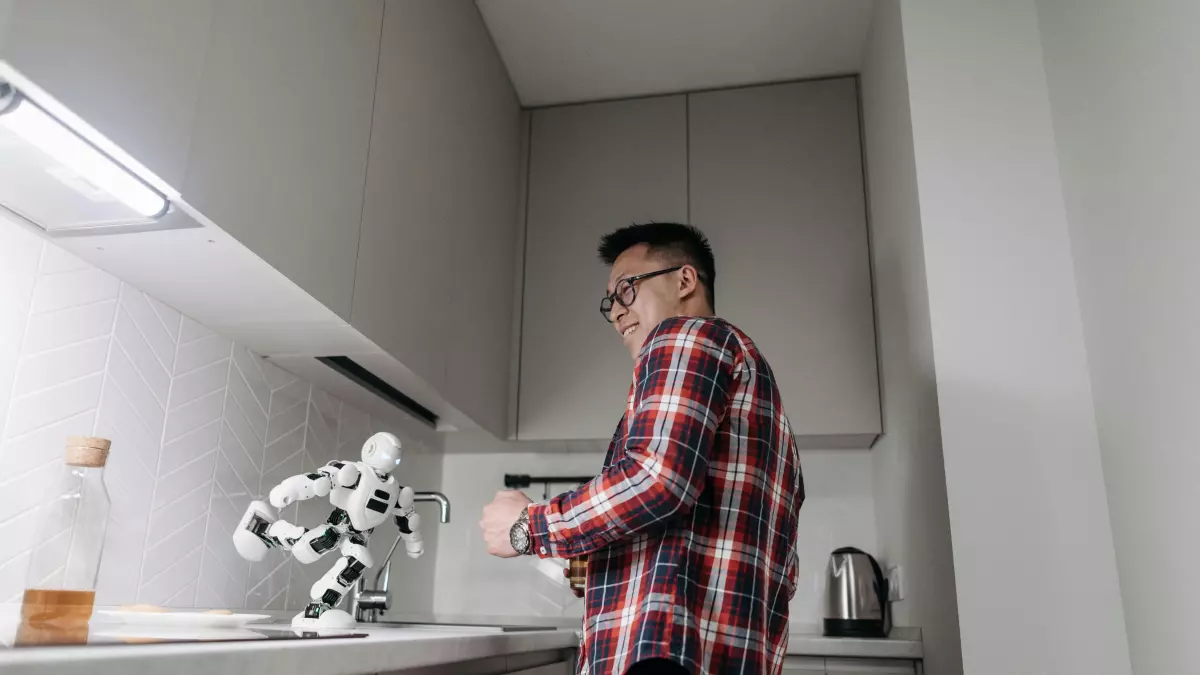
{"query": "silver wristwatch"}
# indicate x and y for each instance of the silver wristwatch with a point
(518, 534)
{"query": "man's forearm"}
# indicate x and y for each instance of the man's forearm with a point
(624, 499)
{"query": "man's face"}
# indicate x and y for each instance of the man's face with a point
(657, 298)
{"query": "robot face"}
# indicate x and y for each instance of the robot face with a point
(382, 452)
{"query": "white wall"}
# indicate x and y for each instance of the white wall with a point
(839, 511)
(199, 427)
(6, 7)
(1125, 99)
(910, 482)
(1034, 565)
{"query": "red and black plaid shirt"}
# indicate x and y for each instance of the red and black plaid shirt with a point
(691, 526)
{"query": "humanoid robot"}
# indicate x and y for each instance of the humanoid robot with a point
(363, 494)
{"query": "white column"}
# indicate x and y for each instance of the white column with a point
(1033, 552)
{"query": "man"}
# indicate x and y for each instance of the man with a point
(690, 528)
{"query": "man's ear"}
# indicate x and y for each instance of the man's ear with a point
(689, 281)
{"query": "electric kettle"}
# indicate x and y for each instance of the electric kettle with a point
(856, 595)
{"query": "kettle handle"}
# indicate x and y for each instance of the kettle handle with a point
(881, 582)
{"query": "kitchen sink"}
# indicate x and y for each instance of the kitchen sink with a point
(466, 627)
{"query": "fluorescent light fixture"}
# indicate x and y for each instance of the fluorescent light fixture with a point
(26, 120)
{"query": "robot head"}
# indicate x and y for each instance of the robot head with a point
(382, 452)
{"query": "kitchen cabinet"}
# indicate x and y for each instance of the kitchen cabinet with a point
(776, 182)
(131, 68)
(435, 264)
(592, 168)
(773, 175)
(279, 147)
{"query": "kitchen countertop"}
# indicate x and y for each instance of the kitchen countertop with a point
(902, 643)
(386, 648)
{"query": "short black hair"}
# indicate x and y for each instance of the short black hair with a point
(679, 244)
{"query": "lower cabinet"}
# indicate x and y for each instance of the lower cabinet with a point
(819, 665)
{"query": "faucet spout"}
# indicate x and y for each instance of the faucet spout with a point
(442, 501)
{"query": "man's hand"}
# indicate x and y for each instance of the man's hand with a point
(567, 573)
(498, 519)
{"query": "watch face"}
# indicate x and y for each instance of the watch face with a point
(518, 536)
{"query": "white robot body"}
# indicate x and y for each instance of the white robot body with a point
(371, 502)
(363, 495)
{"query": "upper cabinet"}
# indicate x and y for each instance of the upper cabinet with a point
(360, 159)
(131, 68)
(773, 175)
(592, 168)
(279, 150)
(436, 257)
(776, 181)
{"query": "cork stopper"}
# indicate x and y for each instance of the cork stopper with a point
(87, 451)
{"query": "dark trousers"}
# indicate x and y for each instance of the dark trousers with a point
(656, 667)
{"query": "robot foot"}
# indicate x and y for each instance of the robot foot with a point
(250, 538)
(326, 618)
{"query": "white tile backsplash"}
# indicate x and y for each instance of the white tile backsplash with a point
(200, 426)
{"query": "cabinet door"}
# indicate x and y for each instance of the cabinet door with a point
(279, 150)
(435, 266)
(129, 68)
(776, 183)
(593, 168)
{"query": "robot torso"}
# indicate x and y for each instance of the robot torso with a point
(368, 501)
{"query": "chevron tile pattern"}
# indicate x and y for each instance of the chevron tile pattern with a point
(56, 391)
(200, 427)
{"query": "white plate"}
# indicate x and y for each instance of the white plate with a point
(190, 619)
(142, 633)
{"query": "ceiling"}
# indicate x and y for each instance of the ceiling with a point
(562, 51)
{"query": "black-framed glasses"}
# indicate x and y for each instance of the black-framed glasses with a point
(626, 291)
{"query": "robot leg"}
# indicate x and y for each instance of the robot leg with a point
(260, 530)
(316, 543)
(333, 586)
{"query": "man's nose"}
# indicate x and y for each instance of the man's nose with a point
(618, 311)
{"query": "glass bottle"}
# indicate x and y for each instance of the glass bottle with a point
(60, 586)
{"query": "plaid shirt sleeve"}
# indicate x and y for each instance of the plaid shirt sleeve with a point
(684, 376)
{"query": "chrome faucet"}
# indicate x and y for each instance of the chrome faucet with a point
(367, 604)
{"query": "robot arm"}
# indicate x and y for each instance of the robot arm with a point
(342, 474)
(299, 488)
(409, 522)
(315, 484)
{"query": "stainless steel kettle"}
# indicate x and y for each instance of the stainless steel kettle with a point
(856, 594)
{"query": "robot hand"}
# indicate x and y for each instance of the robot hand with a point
(299, 488)
(409, 522)
(413, 546)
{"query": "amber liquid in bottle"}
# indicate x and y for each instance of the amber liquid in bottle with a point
(56, 606)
